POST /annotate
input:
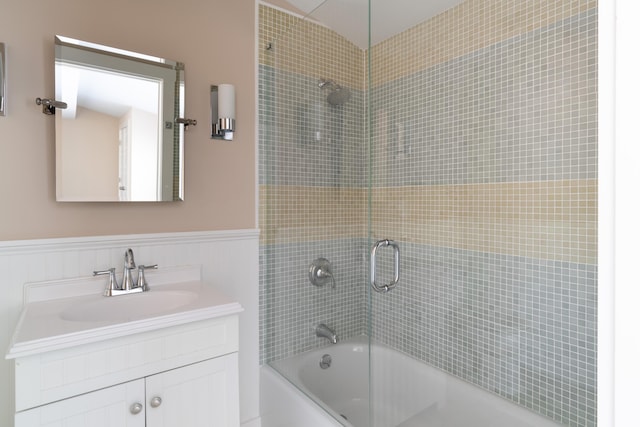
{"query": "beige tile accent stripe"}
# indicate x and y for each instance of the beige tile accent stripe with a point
(307, 48)
(432, 42)
(547, 220)
(299, 214)
(470, 26)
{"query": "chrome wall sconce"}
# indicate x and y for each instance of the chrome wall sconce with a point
(223, 111)
(3, 79)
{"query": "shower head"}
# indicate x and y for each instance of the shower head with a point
(338, 95)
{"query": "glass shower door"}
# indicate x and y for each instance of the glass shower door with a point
(482, 133)
(313, 192)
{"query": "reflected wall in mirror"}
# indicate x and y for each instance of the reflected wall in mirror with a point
(117, 140)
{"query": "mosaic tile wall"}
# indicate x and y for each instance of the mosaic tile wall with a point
(484, 170)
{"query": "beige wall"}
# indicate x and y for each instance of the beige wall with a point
(219, 176)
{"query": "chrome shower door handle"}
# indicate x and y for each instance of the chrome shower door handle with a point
(396, 265)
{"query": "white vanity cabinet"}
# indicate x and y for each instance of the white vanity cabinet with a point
(109, 407)
(204, 394)
(163, 358)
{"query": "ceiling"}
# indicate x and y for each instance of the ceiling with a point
(349, 18)
(106, 92)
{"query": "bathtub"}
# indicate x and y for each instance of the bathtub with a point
(404, 393)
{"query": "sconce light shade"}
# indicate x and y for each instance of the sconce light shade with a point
(223, 111)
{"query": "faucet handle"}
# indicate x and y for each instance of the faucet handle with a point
(113, 282)
(142, 281)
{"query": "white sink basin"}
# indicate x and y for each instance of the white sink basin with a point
(65, 313)
(125, 308)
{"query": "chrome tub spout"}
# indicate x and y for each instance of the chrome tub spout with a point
(323, 331)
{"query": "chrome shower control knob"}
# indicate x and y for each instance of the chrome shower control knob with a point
(320, 273)
(136, 408)
(155, 402)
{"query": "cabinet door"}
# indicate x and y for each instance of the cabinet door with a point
(109, 407)
(204, 394)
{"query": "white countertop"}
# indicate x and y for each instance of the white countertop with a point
(44, 326)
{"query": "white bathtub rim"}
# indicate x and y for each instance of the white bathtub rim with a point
(505, 406)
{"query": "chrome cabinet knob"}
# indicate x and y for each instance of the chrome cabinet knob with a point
(136, 408)
(155, 402)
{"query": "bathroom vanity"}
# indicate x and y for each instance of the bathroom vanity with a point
(164, 357)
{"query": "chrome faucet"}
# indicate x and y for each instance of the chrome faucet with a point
(323, 331)
(128, 284)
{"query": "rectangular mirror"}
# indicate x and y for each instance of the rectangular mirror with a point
(117, 140)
